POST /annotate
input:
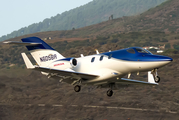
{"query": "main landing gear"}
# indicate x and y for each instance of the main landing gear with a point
(110, 91)
(77, 84)
(77, 88)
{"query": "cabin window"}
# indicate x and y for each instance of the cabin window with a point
(109, 57)
(131, 51)
(101, 58)
(92, 60)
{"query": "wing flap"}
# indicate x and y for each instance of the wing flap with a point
(130, 81)
(66, 73)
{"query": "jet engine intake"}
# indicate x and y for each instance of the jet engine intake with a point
(73, 62)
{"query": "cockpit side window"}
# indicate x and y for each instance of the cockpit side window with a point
(139, 50)
(131, 51)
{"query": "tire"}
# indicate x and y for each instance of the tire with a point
(109, 93)
(157, 79)
(77, 88)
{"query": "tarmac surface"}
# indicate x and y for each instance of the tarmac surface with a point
(93, 106)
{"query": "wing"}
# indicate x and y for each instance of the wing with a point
(130, 81)
(66, 73)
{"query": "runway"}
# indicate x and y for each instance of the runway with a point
(96, 107)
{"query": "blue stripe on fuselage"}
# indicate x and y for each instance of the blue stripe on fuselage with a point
(136, 56)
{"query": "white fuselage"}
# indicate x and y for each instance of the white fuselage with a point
(112, 69)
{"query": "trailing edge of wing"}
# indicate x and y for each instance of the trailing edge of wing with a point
(27, 61)
(130, 81)
(66, 73)
(22, 43)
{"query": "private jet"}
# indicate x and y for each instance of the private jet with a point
(104, 70)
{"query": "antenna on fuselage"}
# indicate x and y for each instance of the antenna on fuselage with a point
(82, 55)
(97, 52)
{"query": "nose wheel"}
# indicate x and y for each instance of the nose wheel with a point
(157, 79)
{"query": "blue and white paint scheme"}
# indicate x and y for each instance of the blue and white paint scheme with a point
(102, 69)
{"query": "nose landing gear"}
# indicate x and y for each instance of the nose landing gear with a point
(156, 77)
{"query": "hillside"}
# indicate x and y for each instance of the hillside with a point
(28, 95)
(163, 18)
(91, 13)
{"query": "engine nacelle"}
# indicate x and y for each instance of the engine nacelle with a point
(64, 63)
(73, 62)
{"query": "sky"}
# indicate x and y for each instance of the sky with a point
(15, 14)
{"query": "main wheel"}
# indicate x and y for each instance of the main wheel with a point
(109, 93)
(77, 88)
(157, 79)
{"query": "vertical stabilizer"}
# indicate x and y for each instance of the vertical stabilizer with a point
(42, 53)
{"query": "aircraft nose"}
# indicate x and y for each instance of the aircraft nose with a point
(158, 58)
(165, 58)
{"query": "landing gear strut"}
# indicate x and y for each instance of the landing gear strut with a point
(77, 88)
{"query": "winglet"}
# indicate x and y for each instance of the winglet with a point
(27, 61)
(151, 78)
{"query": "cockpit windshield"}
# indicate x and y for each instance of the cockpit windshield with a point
(131, 50)
(140, 50)
(135, 50)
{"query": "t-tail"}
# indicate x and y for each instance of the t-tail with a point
(40, 51)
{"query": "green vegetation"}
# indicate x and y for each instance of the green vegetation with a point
(91, 13)
(170, 52)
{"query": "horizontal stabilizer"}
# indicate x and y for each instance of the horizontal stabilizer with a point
(130, 81)
(23, 43)
(27, 61)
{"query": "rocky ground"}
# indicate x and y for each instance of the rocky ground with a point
(33, 97)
